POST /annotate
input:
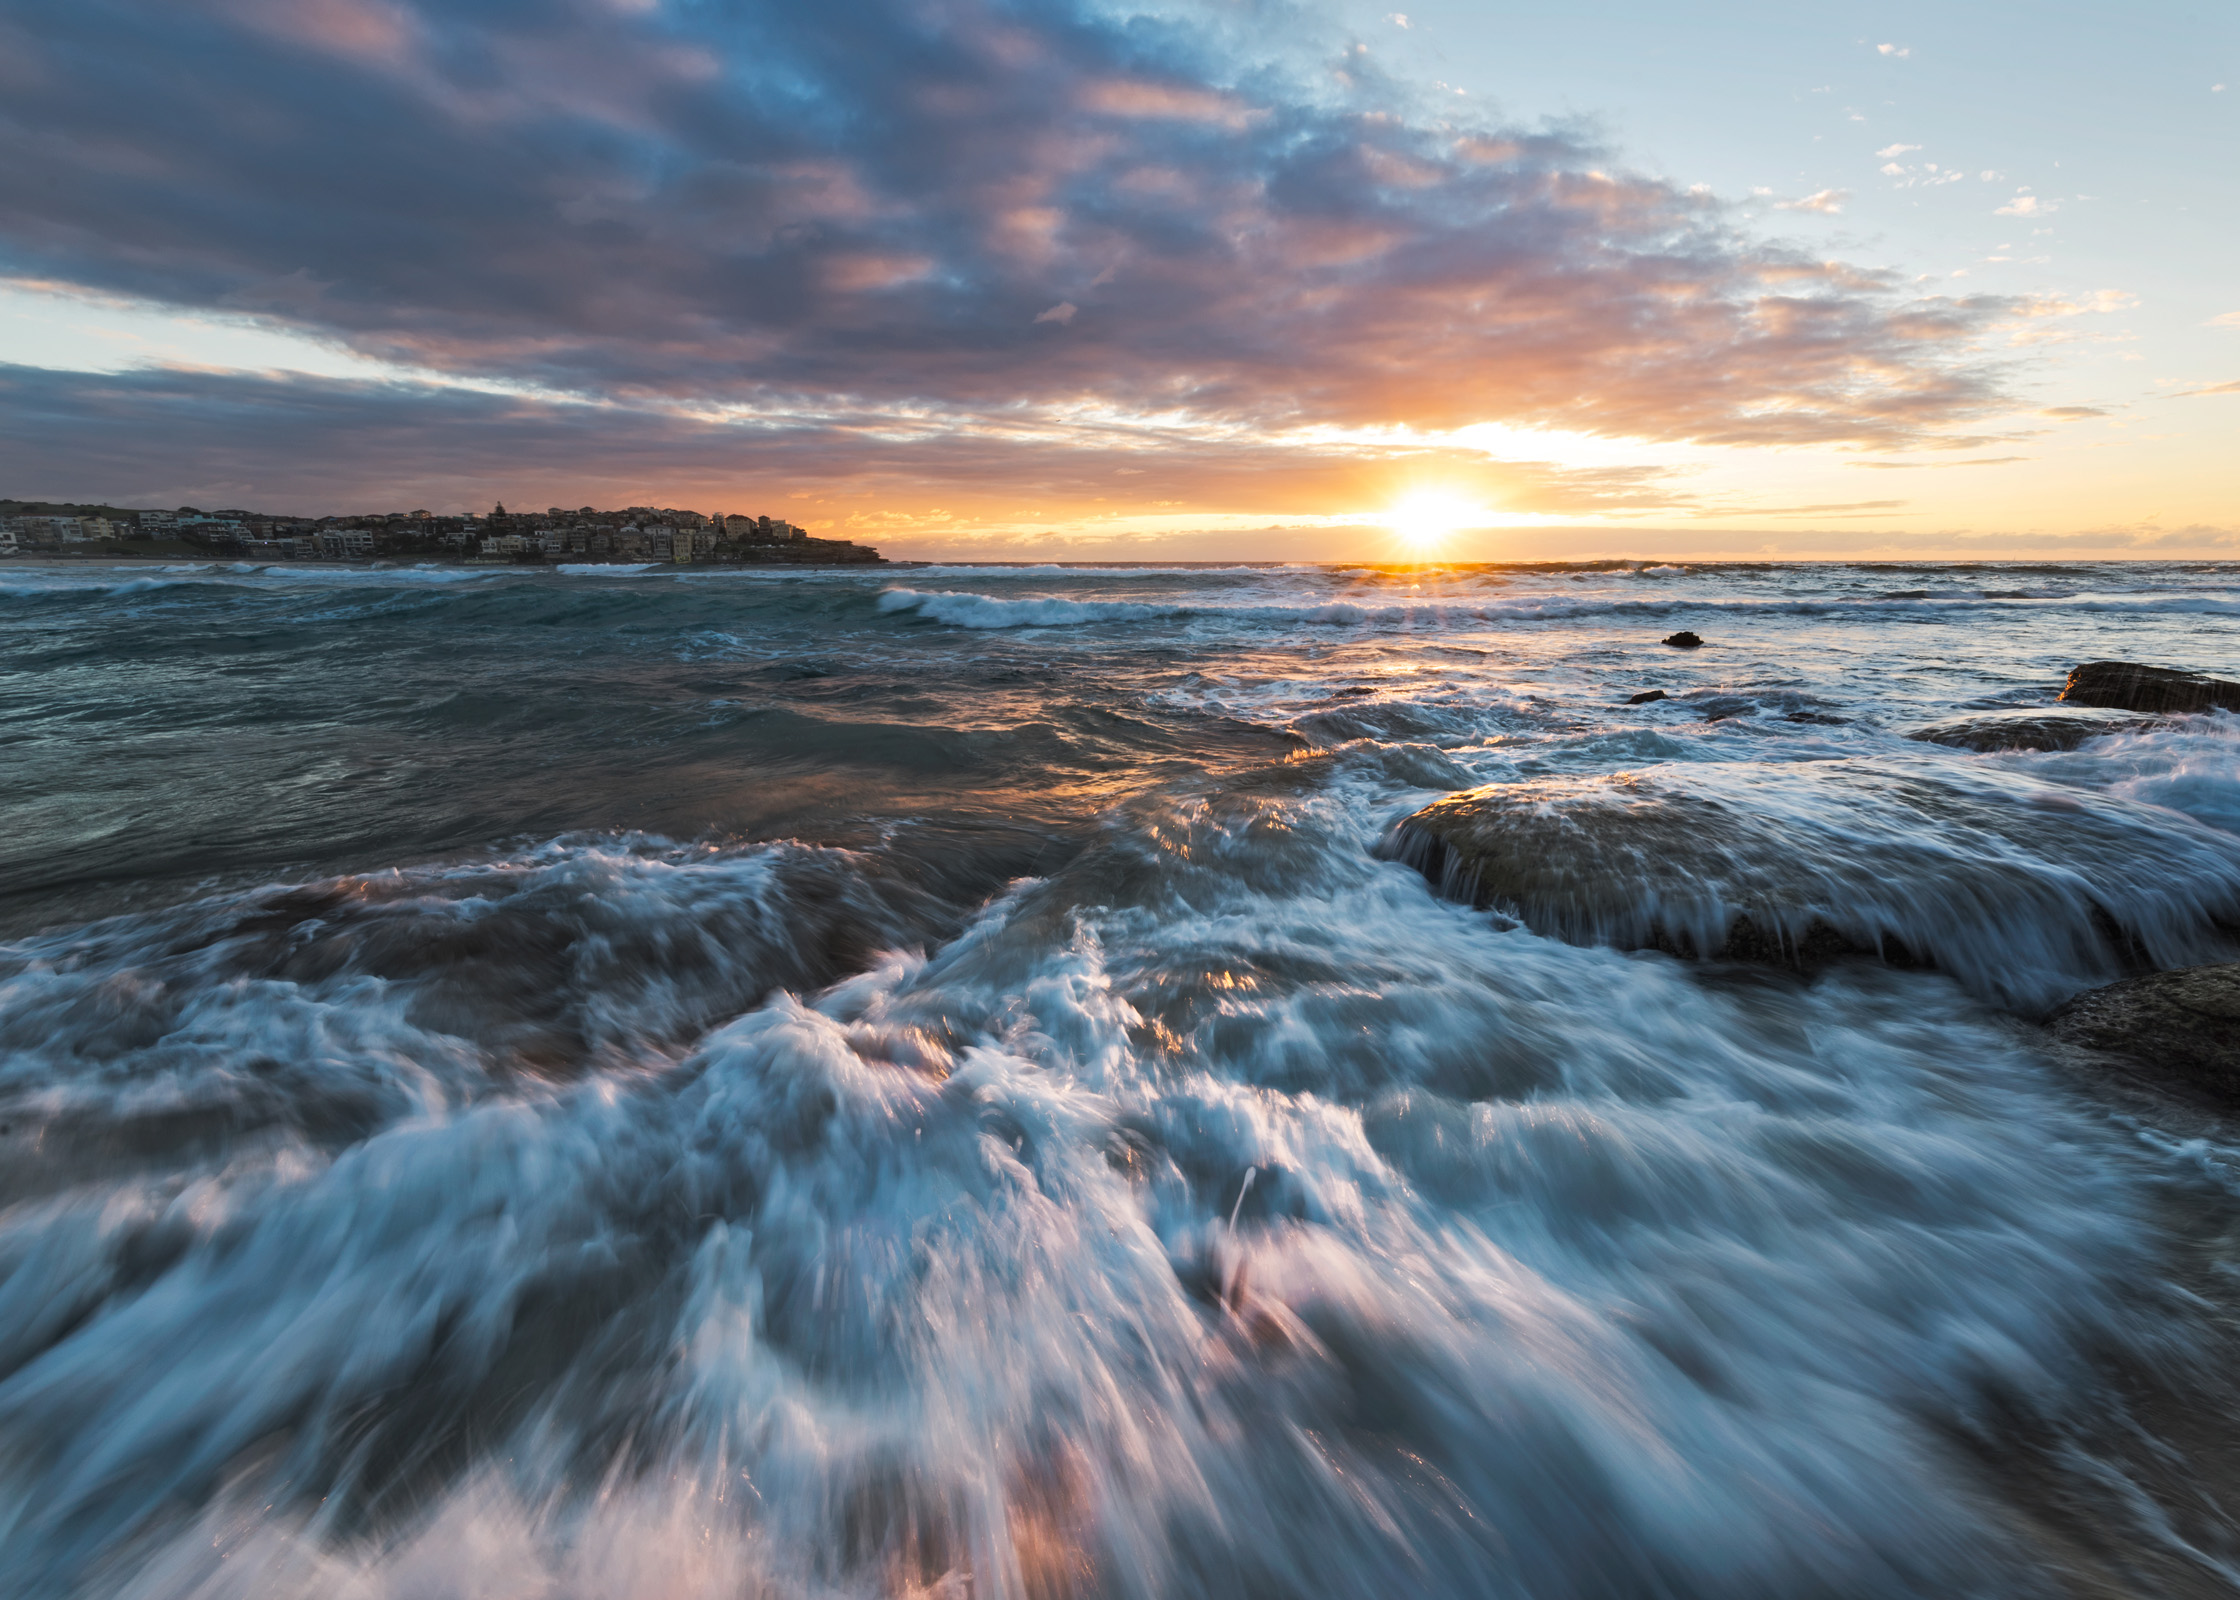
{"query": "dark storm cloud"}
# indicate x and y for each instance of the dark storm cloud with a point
(950, 204)
(167, 436)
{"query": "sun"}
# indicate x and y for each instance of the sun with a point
(1423, 520)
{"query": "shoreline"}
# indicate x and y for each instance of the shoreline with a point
(165, 563)
(1590, 565)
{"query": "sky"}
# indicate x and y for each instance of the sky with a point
(1220, 280)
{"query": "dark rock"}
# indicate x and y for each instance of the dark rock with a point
(2185, 1023)
(2030, 729)
(2023, 890)
(1683, 640)
(2127, 686)
(1820, 717)
(1645, 696)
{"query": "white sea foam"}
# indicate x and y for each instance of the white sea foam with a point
(1212, 1211)
(419, 573)
(956, 1270)
(971, 609)
(2192, 766)
(2005, 882)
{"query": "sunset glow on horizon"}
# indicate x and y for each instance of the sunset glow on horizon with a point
(1067, 278)
(1425, 521)
(1119, 799)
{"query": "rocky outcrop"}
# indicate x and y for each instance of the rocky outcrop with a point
(2023, 890)
(2184, 1023)
(1645, 697)
(813, 552)
(1683, 640)
(2030, 729)
(2158, 691)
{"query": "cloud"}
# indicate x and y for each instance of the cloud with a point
(1900, 51)
(1826, 201)
(2101, 302)
(170, 436)
(1062, 313)
(1891, 152)
(1972, 461)
(2041, 319)
(2026, 205)
(1838, 507)
(2214, 388)
(2225, 319)
(790, 210)
(2072, 413)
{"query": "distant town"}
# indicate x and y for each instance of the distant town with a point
(635, 534)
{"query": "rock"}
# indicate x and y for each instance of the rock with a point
(1645, 696)
(1683, 640)
(2127, 686)
(2030, 729)
(2023, 890)
(2185, 1023)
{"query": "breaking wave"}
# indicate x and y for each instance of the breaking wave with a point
(575, 1087)
(969, 609)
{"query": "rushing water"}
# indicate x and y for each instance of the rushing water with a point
(923, 1082)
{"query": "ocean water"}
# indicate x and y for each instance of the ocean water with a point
(931, 1082)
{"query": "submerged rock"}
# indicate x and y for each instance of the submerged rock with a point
(2127, 686)
(2186, 1023)
(2030, 729)
(1683, 640)
(1645, 696)
(2023, 890)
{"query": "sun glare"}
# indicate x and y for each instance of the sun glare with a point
(1423, 521)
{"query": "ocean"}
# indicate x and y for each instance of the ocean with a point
(939, 1081)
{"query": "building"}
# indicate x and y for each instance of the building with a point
(762, 530)
(8, 545)
(345, 544)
